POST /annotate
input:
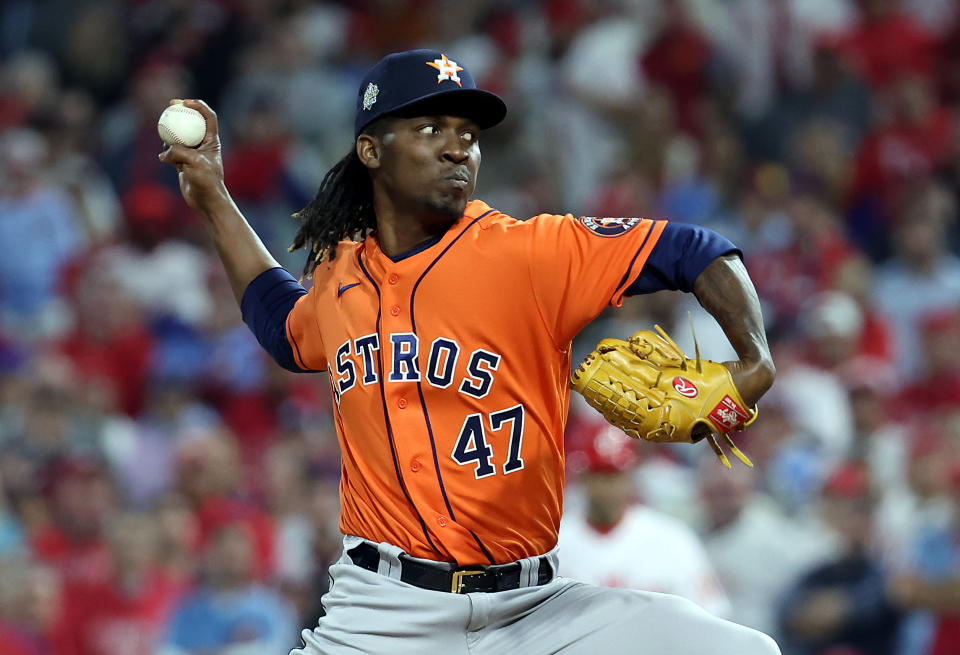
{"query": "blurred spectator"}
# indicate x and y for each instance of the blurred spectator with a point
(833, 325)
(129, 140)
(836, 96)
(164, 275)
(82, 500)
(12, 539)
(72, 166)
(126, 612)
(948, 76)
(28, 88)
(915, 140)
(937, 16)
(841, 601)
(306, 513)
(211, 476)
(887, 44)
(937, 386)
(257, 168)
(327, 543)
(813, 442)
(923, 277)
(178, 536)
(599, 546)
(288, 493)
(807, 263)
(30, 608)
(678, 59)
(687, 195)
(171, 417)
(283, 59)
(601, 100)
(109, 345)
(744, 33)
(880, 438)
(905, 512)
(742, 526)
(230, 613)
(39, 234)
(233, 375)
(855, 277)
(931, 588)
(758, 221)
(93, 50)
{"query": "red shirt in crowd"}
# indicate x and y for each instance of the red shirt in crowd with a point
(75, 560)
(894, 155)
(678, 62)
(218, 511)
(16, 641)
(122, 360)
(102, 618)
(882, 50)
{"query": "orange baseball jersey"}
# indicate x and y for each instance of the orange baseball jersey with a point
(449, 371)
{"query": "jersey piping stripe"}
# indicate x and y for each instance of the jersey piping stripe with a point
(423, 404)
(297, 356)
(626, 276)
(386, 419)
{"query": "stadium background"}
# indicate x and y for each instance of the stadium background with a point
(152, 457)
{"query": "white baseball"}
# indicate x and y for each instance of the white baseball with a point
(181, 125)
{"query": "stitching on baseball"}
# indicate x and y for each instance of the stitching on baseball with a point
(180, 109)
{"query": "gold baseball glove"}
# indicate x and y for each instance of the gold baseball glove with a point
(648, 388)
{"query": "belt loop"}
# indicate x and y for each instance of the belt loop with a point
(529, 567)
(553, 559)
(389, 560)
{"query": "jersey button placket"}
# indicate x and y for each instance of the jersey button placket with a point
(394, 295)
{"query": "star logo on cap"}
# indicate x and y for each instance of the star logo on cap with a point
(448, 69)
(370, 96)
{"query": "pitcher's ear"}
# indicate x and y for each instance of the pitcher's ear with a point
(368, 150)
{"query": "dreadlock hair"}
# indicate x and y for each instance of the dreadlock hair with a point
(342, 209)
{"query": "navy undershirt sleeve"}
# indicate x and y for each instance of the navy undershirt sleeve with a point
(681, 254)
(265, 305)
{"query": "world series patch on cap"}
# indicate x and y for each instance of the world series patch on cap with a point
(424, 82)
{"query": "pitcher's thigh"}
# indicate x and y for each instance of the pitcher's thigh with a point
(369, 614)
(586, 620)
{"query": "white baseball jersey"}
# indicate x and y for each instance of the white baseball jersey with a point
(647, 550)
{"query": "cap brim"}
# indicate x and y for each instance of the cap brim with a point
(486, 109)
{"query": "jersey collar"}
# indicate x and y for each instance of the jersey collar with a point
(372, 250)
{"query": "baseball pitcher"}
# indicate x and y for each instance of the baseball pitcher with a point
(445, 328)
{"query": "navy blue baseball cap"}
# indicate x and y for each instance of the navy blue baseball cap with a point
(424, 82)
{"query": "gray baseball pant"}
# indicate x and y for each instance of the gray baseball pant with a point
(376, 614)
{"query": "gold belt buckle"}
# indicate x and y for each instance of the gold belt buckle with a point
(457, 586)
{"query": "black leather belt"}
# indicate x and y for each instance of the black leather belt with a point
(440, 577)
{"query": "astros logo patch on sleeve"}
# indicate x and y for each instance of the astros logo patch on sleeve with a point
(609, 226)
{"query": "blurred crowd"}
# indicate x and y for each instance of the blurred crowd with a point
(165, 488)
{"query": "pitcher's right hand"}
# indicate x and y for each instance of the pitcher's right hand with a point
(200, 168)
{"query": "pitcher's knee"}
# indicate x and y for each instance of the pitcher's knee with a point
(759, 643)
(735, 639)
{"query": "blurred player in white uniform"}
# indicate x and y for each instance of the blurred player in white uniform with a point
(615, 541)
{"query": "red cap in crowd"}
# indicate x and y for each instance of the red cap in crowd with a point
(847, 481)
(606, 450)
